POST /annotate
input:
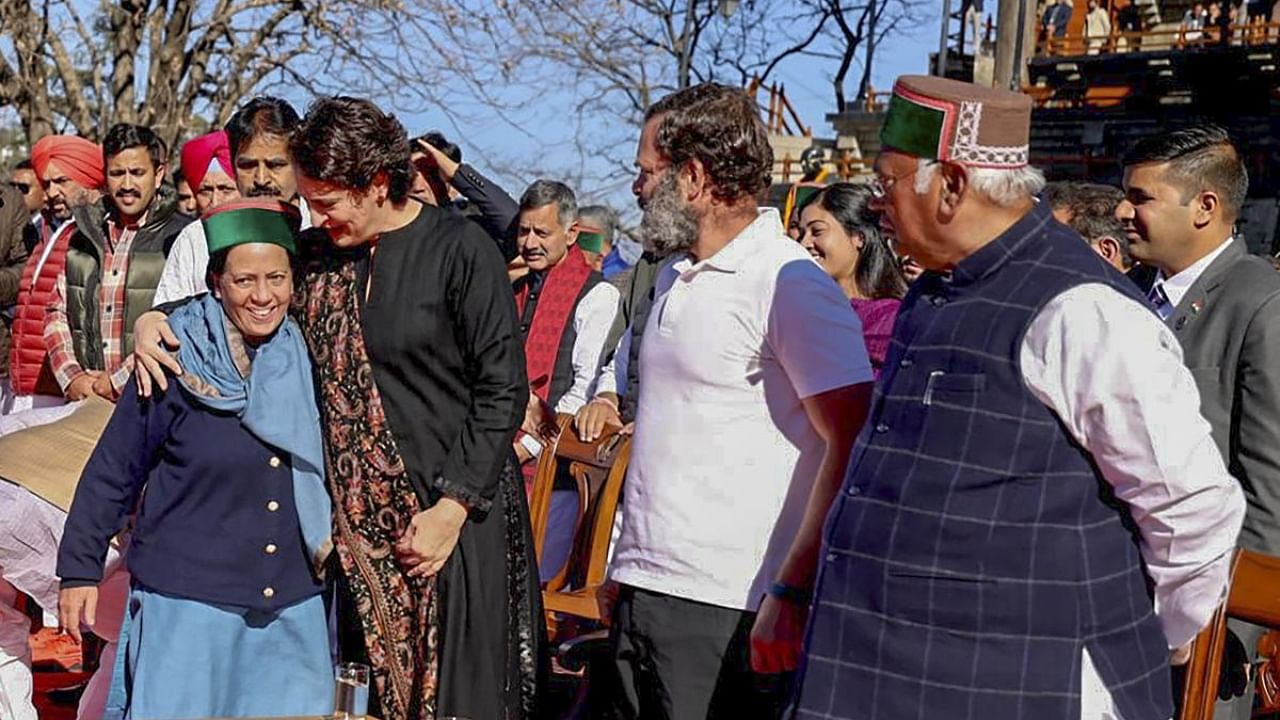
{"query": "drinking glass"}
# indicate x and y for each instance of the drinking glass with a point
(351, 691)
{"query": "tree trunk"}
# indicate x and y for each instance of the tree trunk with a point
(838, 81)
(864, 87)
(34, 106)
(686, 44)
(1012, 52)
(126, 20)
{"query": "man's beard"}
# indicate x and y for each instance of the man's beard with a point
(668, 225)
(70, 202)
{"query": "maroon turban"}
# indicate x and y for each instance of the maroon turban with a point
(199, 153)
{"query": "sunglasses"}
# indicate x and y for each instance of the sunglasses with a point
(22, 187)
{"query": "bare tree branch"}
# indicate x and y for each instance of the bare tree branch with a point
(567, 80)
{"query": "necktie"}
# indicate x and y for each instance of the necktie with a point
(1160, 301)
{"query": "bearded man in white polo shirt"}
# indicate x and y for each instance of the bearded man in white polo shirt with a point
(754, 383)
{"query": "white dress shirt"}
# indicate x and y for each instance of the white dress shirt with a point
(724, 456)
(591, 322)
(1113, 373)
(592, 319)
(1176, 287)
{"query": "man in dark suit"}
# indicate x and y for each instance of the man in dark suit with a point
(1056, 19)
(440, 173)
(1183, 192)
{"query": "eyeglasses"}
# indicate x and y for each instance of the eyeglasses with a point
(880, 187)
(22, 187)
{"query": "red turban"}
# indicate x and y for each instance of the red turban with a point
(200, 152)
(80, 159)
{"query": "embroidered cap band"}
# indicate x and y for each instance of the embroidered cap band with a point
(949, 120)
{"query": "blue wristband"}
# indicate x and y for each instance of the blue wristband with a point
(782, 591)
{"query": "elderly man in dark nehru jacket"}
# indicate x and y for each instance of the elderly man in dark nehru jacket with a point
(1035, 521)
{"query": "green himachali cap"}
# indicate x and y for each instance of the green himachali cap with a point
(246, 221)
(940, 119)
(798, 196)
(805, 193)
(590, 239)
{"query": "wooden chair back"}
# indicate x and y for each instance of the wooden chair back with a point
(540, 491)
(1255, 598)
(597, 470)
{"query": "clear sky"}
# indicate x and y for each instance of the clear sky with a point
(813, 96)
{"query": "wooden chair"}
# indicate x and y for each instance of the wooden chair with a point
(543, 481)
(1255, 598)
(597, 471)
(577, 599)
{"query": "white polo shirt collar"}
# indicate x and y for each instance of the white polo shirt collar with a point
(730, 258)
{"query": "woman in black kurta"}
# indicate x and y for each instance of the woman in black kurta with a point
(438, 326)
(412, 329)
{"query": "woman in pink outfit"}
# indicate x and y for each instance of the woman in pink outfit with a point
(843, 234)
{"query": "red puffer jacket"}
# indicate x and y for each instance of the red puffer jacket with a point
(29, 370)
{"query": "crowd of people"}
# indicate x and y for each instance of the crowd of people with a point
(960, 444)
(1103, 25)
(1214, 21)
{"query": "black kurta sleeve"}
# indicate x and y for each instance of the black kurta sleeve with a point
(480, 301)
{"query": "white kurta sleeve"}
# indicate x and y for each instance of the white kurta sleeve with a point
(613, 376)
(184, 269)
(1114, 375)
(591, 322)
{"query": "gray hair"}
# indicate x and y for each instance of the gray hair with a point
(601, 218)
(545, 192)
(1096, 227)
(1003, 186)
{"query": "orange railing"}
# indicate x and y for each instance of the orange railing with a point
(1253, 33)
(1097, 98)
(780, 117)
(873, 104)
